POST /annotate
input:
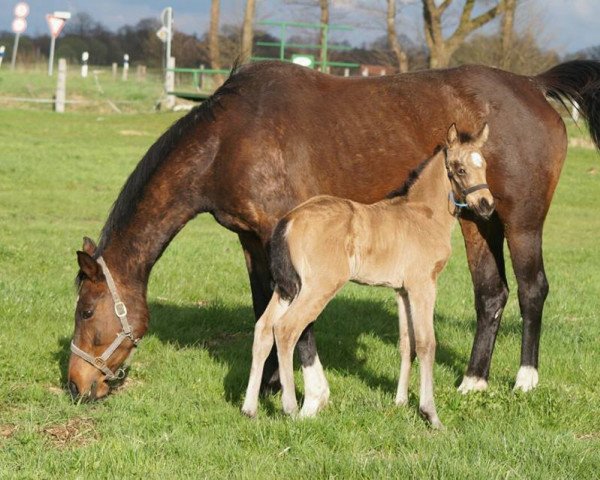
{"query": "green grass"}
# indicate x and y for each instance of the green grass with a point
(179, 413)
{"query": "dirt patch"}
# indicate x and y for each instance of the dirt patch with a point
(75, 433)
(588, 436)
(134, 133)
(593, 171)
(8, 430)
(581, 143)
(54, 390)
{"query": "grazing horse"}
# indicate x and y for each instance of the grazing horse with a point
(277, 134)
(402, 242)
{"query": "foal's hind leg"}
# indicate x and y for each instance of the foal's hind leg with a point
(407, 347)
(422, 300)
(484, 242)
(262, 345)
(526, 254)
(304, 310)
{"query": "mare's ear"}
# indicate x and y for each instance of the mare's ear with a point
(90, 267)
(89, 246)
(482, 136)
(452, 138)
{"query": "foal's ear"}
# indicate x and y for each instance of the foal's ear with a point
(89, 246)
(452, 138)
(482, 136)
(89, 267)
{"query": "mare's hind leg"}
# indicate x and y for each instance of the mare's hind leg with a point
(422, 300)
(262, 291)
(526, 253)
(262, 345)
(407, 347)
(304, 310)
(484, 242)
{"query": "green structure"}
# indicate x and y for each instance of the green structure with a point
(203, 80)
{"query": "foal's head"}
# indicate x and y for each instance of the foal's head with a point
(466, 167)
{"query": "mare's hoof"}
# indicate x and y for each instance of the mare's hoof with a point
(472, 384)
(527, 379)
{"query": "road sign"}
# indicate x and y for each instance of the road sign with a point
(304, 60)
(19, 25)
(21, 10)
(163, 34)
(55, 24)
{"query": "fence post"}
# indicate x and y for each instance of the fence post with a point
(115, 67)
(61, 86)
(201, 84)
(125, 66)
(170, 83)
(140, 73)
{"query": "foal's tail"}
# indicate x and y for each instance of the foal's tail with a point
(576, 81)
(284, 274)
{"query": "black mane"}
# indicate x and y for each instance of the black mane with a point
(413, 176)
(132, 192)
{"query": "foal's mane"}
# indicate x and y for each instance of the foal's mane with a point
(133, 190)
(413, 176)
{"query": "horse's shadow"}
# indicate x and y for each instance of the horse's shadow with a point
(343, 332)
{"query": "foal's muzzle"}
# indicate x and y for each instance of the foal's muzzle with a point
(484, 208)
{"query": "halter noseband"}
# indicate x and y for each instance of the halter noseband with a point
(126, 332)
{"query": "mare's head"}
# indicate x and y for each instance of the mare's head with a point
(466, 167)
(109, 320)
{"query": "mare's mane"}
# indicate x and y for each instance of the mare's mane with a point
(133, 190)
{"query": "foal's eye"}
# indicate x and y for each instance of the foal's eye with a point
(87, 314)
(461, 171)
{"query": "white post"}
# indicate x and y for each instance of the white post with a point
(115, 67)
(125, 66)
(61, 86)
(84, 66)
(14, 52)
(170, 83)
(201, 82)
(168, 22)
(2, 50)
(346, 72)
(51, 58)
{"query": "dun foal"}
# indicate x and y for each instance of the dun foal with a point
(402, 242)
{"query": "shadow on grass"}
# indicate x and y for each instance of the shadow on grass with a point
(226, 332)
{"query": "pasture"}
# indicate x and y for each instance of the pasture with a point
(178, 416)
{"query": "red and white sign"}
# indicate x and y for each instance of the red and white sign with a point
(21, 10)
(55, 24)
(19, 25)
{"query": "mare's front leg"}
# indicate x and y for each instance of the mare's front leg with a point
(484, 243)
(407, 346)
(262, 290)
(421, 298)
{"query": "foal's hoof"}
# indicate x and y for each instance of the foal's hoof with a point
(312, 406)
(472, 384)
(527, 379)
(249, 412)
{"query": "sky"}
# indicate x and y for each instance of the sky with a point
(565, 25)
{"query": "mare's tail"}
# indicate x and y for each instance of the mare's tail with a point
(576, 81)
(284, 274)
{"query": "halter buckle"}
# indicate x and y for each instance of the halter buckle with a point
(120, 309)
(99, 362)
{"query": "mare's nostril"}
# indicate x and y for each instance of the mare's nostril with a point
(73, 390)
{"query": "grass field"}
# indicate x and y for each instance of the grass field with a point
(178, 414)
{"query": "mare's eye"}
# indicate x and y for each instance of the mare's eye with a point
(87, 314)
(461, 171)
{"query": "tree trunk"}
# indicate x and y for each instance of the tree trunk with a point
(401, 57)
(508, 21)
(213, 36)
(248, 31)
(440, 48)
(324, 4)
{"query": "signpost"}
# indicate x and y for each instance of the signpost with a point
(84, 65)
(165, 33)
(56, 22)
(19, 25)
(2, 50)
(125, 66)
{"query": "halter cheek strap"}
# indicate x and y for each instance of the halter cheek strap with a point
(126, 332)
(465, 192)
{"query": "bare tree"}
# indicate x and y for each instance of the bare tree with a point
(508, 20)
(248, 30)
(401, 57)
(324, 4)
(213, 35)
(440, 48)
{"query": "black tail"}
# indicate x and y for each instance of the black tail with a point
(576, 81)
(284, 274)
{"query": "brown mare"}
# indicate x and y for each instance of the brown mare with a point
(276, 134)
(402, 242)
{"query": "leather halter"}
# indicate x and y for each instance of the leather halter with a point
(126, 332)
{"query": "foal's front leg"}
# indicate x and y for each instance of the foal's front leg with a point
(422, 301)
(407, 346)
